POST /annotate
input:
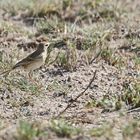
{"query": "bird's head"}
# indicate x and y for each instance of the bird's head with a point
(43, 46)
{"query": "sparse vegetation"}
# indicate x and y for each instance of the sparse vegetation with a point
(63, 129)
(84, 36)
(104, 130)
(28, 131)
(131, 130)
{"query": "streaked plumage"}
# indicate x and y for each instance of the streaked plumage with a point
(32, 61)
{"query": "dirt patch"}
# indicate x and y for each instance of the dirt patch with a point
(85, 37)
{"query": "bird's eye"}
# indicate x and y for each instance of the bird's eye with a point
(47, 44)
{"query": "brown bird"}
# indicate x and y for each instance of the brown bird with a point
(33, 61)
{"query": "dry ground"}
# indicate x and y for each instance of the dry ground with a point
(101, 35)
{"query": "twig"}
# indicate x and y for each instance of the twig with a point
(134, 110)
(74, 100)
(98, 54)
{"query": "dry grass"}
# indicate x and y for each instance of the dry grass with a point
(85, 36)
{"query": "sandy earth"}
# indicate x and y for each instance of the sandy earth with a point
(55, 87)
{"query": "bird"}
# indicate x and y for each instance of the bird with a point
(33, 61)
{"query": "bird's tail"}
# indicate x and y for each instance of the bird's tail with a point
(5, 73)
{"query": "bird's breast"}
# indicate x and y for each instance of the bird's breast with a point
(34, 65)
(44, 55)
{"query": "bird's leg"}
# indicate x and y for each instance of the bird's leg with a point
(33, 80)
(30, 75)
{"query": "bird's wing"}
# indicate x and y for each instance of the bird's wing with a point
(29, 59)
